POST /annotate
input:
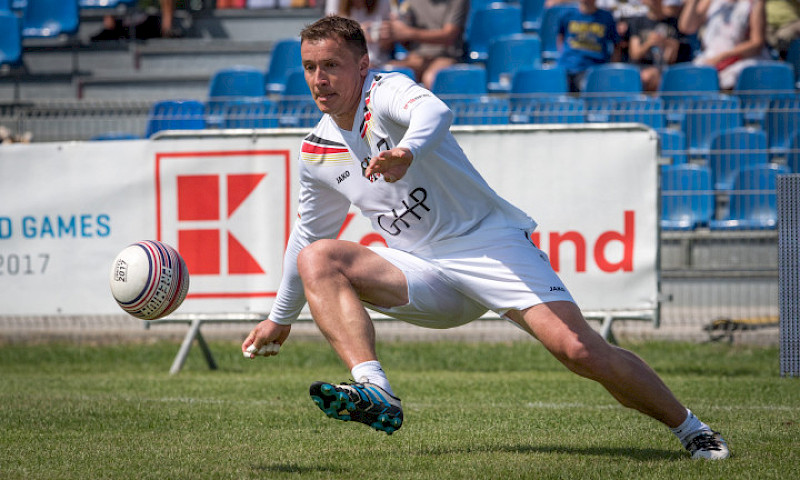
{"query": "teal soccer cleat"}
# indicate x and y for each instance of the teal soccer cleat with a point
(359, 402)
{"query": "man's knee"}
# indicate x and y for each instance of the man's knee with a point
(316, 258)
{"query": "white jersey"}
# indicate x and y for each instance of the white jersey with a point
(441, 196)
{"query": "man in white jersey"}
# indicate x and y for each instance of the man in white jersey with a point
(455, 248)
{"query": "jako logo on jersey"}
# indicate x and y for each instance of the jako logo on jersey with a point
(341, 178)
(398, 221)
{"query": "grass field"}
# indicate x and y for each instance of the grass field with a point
(473, 410)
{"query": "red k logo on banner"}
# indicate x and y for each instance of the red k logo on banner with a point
(199, 201)
(228, 214)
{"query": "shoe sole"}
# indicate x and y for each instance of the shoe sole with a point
(338, 404)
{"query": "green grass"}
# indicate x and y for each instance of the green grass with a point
(473, 410)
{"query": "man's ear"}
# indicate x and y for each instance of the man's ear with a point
(363, 64)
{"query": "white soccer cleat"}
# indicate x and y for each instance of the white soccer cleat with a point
(708, 445)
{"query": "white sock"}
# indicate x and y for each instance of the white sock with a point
(689, 428)
(373, 373)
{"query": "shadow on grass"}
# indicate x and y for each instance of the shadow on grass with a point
(639, 454)
(289, 468)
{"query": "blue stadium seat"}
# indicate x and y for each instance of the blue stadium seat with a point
(106, 4)
(463, 88)
(548, 32)
(606, 85)
(50, 18)
(251, 113)
(782, 121)
(642, 109)
(10, 40)
(673, 145)
(734, 149)
(285, 56)
(407, 71)
(508, 54)
(175, 115)
(540, 95)
(495, 20)
(229, 84)
(793, 153)
(689, 80)
(752, 199)
(759, 84)
(238, 81)
(460, 79)
(532, 12)
(701, 118)
(612, 80)
(793, 59)
(687, 198)
(114, 136)
(296, 107)
(5, 5)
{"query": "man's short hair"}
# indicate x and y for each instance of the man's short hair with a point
(334, 26)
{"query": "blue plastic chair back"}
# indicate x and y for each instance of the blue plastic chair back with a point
(10, 39)
(735, 149)
(752, 199)
(705, 117)
(532, 13)
(239, 81)
(687, 81)
(105, 4)
(793, 59)
(50, 18)
(687, 199)
(176, 115)
(296, 107)
(508, 54)
(407, 71)
(782, 121)
(548, 109)
(253, 113)
(793, 153)
(612, 80)
(5, 6)
(460, 80)
(673, 145)
(285, 56)
(642, 109)
(497, 19)
(548, 32)
(539, 80)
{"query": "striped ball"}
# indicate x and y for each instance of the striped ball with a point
(149, 279)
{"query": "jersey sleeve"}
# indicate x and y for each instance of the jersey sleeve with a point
(321, 214)
(427, 119)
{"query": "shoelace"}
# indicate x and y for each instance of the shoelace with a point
(704, 441)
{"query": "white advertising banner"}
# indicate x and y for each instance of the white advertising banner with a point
(227, 203)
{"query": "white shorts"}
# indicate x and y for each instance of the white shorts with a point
(496, 269)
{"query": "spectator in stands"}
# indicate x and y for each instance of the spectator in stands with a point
(732, 34)
(588, 36)
(151, 26)
(432, 31)
(653, 43)
(783, 24)
(373, 15)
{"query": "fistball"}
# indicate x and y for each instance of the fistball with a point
(149, 279)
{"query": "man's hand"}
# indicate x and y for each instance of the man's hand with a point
(265, 339)
(392, 164)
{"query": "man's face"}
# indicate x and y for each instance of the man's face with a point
(335, 76)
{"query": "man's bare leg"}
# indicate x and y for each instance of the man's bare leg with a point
(337, 276)
(561, 328)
